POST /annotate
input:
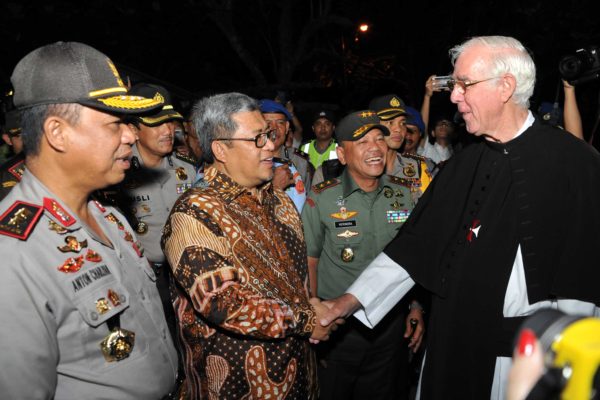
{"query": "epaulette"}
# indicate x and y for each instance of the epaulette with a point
(186, 158)
(17, 169)
(302, 154)
(408, 182)
(19, 220)
(318, 188)
(415, 156)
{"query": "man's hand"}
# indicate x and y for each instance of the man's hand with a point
(341, 307)
(322, 332)
(416, 337)
(282, 177)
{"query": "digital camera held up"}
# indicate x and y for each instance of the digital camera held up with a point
(571, 346)
(581, 67)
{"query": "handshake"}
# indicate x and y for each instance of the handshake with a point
(330, 314)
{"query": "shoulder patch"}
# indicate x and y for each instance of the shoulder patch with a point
(326, 185)
(186, 158)
(300, 153)
(19, 220)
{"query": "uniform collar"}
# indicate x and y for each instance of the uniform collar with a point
(349, 186)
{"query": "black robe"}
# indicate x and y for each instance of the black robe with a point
(541, 190)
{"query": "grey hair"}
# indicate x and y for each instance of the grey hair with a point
(33, 118)
(212, 118)
(507, 55)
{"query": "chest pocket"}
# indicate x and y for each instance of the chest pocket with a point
(98, 295)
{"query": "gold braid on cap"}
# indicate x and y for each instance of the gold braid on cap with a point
(362, 129)
(132, 102)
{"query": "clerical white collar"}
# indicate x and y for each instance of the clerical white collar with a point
(528, 122)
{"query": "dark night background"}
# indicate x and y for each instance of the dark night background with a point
(309, 48)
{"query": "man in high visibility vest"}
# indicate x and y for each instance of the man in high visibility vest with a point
(323, 147)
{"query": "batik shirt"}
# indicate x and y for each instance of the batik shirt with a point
(242, 306)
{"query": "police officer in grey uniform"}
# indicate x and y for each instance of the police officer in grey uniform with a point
(81, 316)
(292, 170)
(157, 177)
(347, 221)
(414, 171)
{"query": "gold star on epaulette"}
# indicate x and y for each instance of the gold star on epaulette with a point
(366, 114)
(325, 185)
(19, 220)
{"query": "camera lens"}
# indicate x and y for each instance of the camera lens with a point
(570, 67)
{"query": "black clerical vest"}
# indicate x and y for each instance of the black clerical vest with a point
(539, 190)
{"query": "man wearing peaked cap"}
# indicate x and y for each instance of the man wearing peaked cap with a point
(394, 114)
(157, 177)
(347, 221)
(81, 314)
(322, 148)
(292, 172)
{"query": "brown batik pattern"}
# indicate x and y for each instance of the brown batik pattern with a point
(244, 315)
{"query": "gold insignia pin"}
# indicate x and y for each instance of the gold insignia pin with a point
(102, 306)
(347, 234)
(387, 192)
(347, 254)
(118, 344)
(409, 171)
(343, 214)
(181, 174)
(72, 244)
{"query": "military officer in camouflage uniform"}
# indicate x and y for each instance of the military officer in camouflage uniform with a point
(347, 221)
(414, 172)
(81, 316)
(157, 177)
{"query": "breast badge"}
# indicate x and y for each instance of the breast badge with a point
(347, 234)
(71, 265)
(142, 228)
(181, 174)
(409, 170)
(118, 344)
(72, 244)
(343, 214)
(347, 254)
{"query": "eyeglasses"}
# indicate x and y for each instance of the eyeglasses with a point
(259, 140)
(462, 86)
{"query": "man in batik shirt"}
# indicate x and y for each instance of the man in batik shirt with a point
(237, 251)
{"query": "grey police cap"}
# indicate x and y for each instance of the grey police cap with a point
(71, 72)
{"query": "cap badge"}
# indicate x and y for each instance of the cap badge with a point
(395, 102)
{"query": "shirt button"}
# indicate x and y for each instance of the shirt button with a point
(94, 316)
(142, 295)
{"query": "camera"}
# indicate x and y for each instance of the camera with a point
(571, 347)
(581, 67)
(441, 83)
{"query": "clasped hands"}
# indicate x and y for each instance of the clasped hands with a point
(330, 314)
